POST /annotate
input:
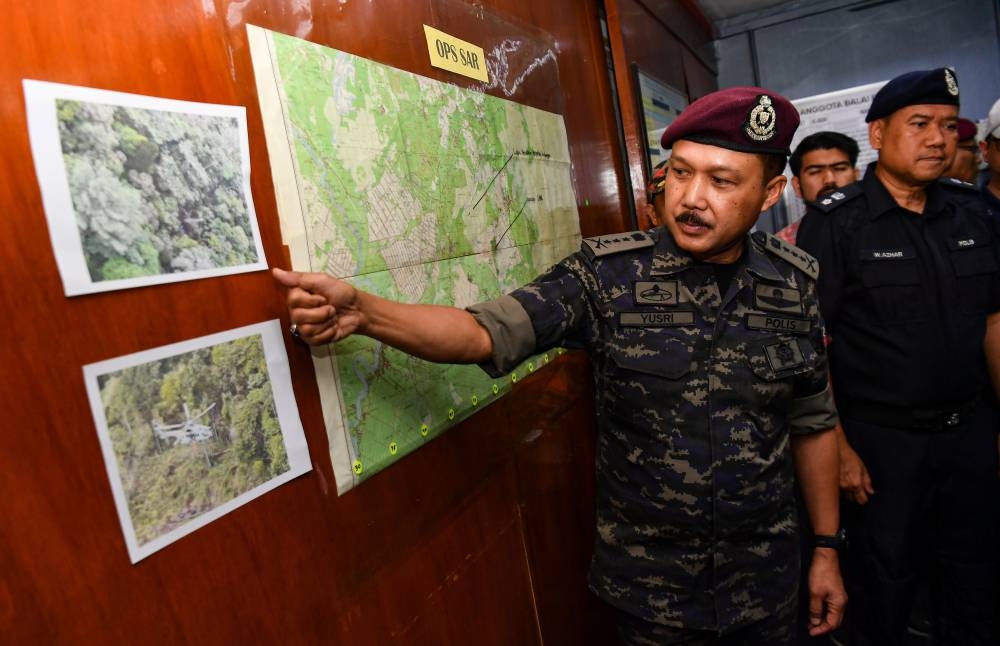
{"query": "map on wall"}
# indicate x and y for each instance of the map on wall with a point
(419, 191)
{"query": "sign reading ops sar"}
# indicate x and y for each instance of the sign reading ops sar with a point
(455, 55)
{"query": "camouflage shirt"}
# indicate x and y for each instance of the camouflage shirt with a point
(696, 396)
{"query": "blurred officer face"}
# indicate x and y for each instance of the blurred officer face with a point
(916, 144)
(713, 196)
(991, 154)
(966, 164)
(823, 170)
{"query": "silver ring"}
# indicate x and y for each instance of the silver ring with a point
(293, 329)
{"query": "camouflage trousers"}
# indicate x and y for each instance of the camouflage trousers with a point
(776, 630)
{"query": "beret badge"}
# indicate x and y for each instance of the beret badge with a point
(761, 122)
(949, 80)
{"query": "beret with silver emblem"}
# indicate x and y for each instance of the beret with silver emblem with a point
(745, 119)
(923, 87)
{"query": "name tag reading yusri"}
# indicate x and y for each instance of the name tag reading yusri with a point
(655, 319)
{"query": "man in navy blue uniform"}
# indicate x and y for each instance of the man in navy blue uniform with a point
(910, 289)
(708, 354)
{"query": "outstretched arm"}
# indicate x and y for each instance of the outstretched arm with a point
(326, 309)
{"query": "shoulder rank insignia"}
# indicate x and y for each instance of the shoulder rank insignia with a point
(830, 201)
(789, 253)
(957, 183)
(599, 246)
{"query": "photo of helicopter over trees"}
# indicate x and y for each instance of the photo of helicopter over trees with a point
(191, 432)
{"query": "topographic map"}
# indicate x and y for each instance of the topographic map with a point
(419, 191)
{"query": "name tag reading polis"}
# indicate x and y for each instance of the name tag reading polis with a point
(778, 323)
(456, 55)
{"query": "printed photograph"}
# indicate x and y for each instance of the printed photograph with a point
(193, 430)
(156, 191)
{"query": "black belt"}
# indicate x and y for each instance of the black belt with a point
(946, 418)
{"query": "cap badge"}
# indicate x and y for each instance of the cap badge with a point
(949, 80)
(761, 123)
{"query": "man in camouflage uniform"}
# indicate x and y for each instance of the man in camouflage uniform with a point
(708, 356)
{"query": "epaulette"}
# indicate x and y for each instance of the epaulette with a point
(838, 197)
(789, 253)
(957, 183)
(600, 246)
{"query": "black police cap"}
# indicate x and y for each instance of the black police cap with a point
(924, 87)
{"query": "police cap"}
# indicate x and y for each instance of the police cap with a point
(745, 119)
(923, 87)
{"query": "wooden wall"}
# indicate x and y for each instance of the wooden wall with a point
(484, 535)
(669, 42)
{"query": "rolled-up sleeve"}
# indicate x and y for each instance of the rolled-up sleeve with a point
(550, 311)
(510, 328)
(813, 413)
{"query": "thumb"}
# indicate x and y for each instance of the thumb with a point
(286, 278)
(815, 609)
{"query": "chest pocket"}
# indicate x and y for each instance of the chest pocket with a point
(649, 354)
(891, 278)
(975, 266)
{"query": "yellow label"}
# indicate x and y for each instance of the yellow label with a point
(455, 55)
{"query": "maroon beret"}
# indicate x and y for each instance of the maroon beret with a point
(966, 129)
(747, 119)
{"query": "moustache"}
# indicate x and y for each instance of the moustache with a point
(691, 218)
(829, 188)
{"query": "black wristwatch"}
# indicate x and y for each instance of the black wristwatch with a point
(833, 541)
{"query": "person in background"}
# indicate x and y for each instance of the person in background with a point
(710, 368)
(910, 290)
(990, 148)
(820, 164)
(655, 200)
(965, 166)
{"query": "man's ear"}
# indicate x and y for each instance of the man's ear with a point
(876, 129)
(796, 186)
(857, 173)
(772, 191)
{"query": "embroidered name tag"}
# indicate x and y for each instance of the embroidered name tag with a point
(777, 299)
(655, 292)
(655, 319)
(784, 356)
(777, 323)
(964, 243)
(888, 254)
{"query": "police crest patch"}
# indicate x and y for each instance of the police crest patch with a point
(784, 355)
